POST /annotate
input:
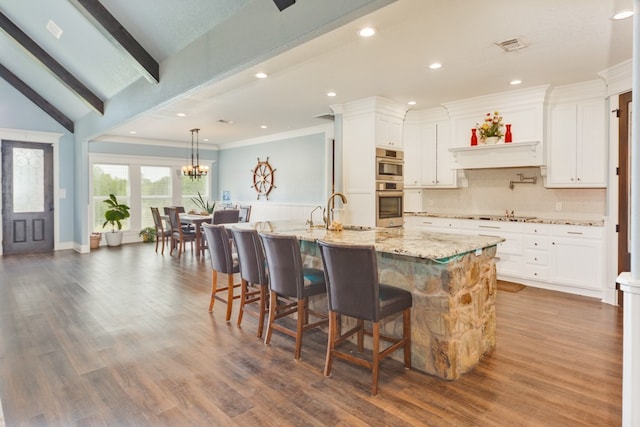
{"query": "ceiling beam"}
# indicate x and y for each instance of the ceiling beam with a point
(54, 66)
(34, 97)
(119, 37)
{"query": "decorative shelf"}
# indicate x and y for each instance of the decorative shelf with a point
(502, 155)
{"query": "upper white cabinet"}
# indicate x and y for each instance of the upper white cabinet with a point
(577, 155)
(389, 131)
(426, 148)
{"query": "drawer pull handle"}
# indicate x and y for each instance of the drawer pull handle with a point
(574, 232)
(489, 226)
(535, 244)
(487, 235)
(535, 259)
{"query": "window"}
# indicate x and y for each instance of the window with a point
(109, 179)
(155, 191)
(190, 190)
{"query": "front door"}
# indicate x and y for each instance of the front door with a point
(624, 186)
(27, 197)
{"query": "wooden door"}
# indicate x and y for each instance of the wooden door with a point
(624, 186)
(27, 197)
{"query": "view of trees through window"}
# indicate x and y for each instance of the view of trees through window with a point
(109, 179)
(156, 188)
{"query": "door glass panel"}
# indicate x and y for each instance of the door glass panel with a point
(28, 180)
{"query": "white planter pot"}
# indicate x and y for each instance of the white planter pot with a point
(114, 238)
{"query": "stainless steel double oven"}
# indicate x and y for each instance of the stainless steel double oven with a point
(389, 188)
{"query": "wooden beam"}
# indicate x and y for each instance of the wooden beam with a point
(119, 37)
(54, 66)
(34, 97)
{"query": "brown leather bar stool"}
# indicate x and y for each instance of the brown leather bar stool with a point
(353, 290)
(253, 274)
(290, 286)
(222, 261)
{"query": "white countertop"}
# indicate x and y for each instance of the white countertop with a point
(527, 219)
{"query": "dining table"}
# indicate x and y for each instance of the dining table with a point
(196, 220)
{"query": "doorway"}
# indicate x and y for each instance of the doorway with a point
(27, 197)
(624, 185)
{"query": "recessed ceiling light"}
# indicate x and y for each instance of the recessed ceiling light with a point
(622, 14)
(226, 122)
(435, 66)
(263, 126)
(54, 29)
(331, 94)
(206, 140)
(411, 102)
(261, 75)
(132, 132)
(515, 82)
(181, 115)
(367, 32)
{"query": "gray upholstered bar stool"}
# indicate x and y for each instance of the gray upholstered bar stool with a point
(253, 274)
(353, 290)
(290, 286)
(222, 261)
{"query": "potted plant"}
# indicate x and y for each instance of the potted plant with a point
(114, 215)
(148, 234)
(203, 205)
(94, 240)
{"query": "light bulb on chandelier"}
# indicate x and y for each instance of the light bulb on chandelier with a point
(195, 169)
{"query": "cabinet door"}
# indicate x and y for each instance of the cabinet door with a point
(412, 139)
(562, 146)
(446, 176)
(577, 262)
(591, 161)
(388, 132)
(429, 176)
(413, 200)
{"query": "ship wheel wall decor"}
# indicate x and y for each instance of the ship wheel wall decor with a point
(263, 178)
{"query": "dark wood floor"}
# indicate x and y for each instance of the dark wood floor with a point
(122, 336)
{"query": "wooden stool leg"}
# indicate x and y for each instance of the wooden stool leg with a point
(376, 357)
(243, 297)
(273, 301)
(214, 286)
(263, 309)
(229, 295)
(303, 319)
(333, 327)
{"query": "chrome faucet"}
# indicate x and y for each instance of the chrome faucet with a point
(328, 218)
(310, 220)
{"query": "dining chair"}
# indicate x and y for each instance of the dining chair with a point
(161, 234)
(225, 216)
(179, 236)
(290, 286)
(353, 290)
(245, 213)
(222, 260)
(253, 274)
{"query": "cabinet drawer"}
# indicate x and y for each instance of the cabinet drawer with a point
(536, 229)
(536, 272)
(536, 242)
(536, 257)
(578, 231)
(509, 265)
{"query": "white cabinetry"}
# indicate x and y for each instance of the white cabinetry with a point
(426, 147)
(578, 140)
(413, 200)
(388, 132)
(566, 258)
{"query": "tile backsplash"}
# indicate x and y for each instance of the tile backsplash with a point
(488, 192)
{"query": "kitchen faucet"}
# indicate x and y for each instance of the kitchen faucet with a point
(329, 218)
(310, 220)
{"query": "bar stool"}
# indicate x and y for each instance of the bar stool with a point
(222, 261)
(253, 274)
(353, 290)
(290, 286)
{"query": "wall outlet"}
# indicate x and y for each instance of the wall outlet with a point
(558, 206)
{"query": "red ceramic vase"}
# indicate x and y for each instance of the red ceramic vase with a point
(474, 138)
(507, 136)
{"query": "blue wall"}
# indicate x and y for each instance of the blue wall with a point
(300, 164)
(17, 112)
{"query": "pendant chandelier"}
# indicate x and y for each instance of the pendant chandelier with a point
(195, 170)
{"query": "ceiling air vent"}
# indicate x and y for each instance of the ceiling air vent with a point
(512, 44)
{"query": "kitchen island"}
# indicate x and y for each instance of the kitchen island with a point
(452, 279)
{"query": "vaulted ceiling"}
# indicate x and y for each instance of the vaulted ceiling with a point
(566, 41)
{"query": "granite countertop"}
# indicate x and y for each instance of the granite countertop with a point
(418, 244)
(527, 219)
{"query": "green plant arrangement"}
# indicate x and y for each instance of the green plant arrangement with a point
(202, 204)
(148, 234)
(116, 213)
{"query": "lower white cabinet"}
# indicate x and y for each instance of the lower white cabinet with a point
(567, 258)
